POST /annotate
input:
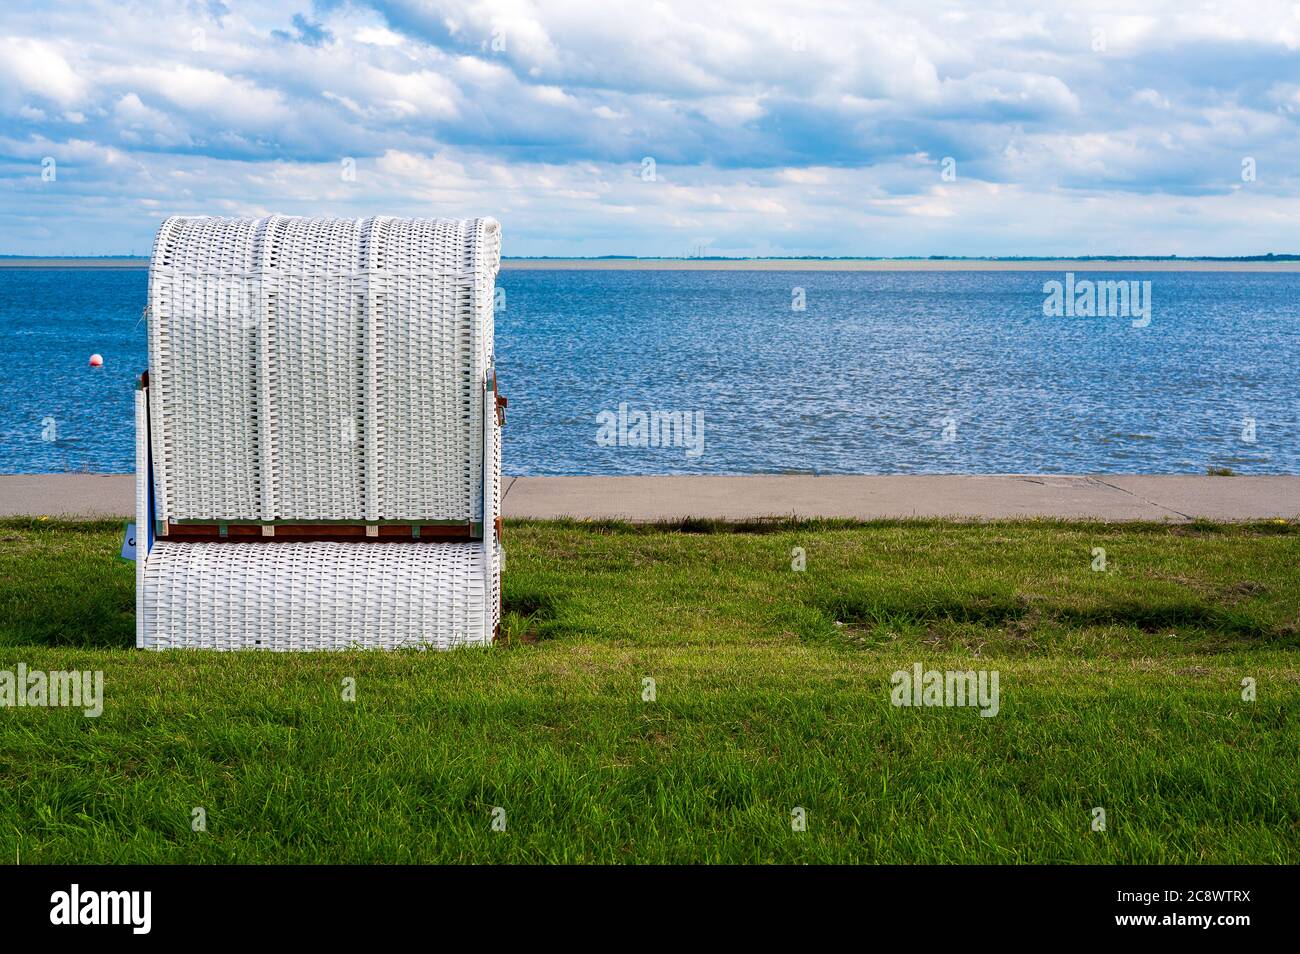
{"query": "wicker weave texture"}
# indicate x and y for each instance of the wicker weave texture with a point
(315, 596)
(320, 369)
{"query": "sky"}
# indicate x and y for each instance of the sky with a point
(662, 128)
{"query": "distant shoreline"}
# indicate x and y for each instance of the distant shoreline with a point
(904, 265)
(794, 264)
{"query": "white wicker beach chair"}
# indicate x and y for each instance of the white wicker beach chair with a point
(318, 435)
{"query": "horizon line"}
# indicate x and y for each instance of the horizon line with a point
(1259, 257)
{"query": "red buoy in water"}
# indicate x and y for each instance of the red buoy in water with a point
(96, 360)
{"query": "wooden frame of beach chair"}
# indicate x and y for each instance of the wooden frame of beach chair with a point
(318, 447)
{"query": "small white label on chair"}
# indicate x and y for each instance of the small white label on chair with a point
(128, 543)
(268, 530)
(372, 530)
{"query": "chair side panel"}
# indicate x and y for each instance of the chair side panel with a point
(202, 343)
(313, 303)
(429, 374)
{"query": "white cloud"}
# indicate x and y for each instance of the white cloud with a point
(1151, 97)
(378, 36)
(404, 95)
(206, 93)
(37, 68)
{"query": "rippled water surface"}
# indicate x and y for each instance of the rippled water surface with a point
(884, 372)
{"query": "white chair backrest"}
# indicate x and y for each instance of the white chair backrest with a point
(320, 369)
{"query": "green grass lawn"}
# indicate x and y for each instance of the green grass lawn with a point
(1119, 690)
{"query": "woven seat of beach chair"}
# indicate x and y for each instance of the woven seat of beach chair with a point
(318, 435)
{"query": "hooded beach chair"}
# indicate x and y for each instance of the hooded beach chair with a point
(318, 435)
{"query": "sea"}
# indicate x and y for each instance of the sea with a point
(633, 371)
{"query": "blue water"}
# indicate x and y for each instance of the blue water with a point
(884, 372)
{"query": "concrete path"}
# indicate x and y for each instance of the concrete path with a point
(1172, 498)
(57, 495)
